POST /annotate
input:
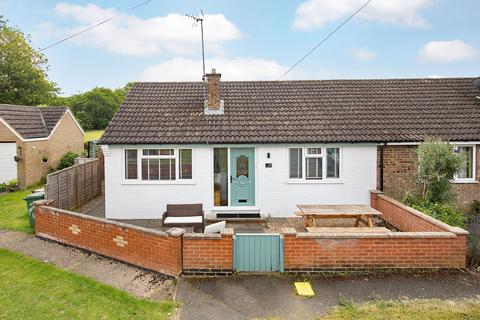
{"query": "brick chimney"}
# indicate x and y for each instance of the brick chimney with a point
(213, 105)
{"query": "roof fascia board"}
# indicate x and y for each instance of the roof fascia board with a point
(418, 143)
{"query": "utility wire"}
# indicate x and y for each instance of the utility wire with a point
(324, 39)
(94, 26)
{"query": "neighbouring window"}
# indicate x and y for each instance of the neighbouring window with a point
(158, 164)
(466, 171)
(319, 163)
(131, 160)
(185, 170)
(296, 161)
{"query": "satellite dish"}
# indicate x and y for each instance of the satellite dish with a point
(476, 83)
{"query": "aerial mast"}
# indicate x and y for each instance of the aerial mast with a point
(198, 19)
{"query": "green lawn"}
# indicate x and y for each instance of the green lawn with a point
(409, 310)
(13, 211)
(92, 135)
(30, 289)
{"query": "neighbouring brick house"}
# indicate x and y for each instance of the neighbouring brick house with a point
(262, 147)
(33, 139)
(399, 173)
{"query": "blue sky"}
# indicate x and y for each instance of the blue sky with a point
(251, 40)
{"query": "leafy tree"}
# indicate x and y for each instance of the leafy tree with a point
(23, 70)
(437, 164)
(95, 108)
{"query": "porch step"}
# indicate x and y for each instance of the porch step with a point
(238, 216)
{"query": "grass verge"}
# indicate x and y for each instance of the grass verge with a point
(92, 135)
(32, 289)
(13, 211)
(411, 310)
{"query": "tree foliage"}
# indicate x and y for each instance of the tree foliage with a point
(23, 70)
(437, 164)
(95, 108)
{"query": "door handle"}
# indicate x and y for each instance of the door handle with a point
(231, 179)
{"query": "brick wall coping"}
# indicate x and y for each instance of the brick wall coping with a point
(397, 235)
(224, 232)
(392, 235)
(447, 227)
(175, 232)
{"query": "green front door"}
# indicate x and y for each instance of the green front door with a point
(242, 176)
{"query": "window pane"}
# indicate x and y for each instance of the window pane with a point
(167, 169)
(150, 152)
(185, 170)
(295, 155)
(314, 150)
(314, 168)
(131, 164)
(466, 171)
(144, 169)
(166, 152)
(153, 169)
(242, 166)
(333, 162)
(220, 178)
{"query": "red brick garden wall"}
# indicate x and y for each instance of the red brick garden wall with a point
(320, 253)
(425, 243)
(208, 254)
(150, 249)
(404, 217)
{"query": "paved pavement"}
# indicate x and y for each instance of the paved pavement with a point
(136, 281)
(247, 297)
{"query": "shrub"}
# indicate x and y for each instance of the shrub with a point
(437, 163)
(9, 186)
(67, 160)
(474, 241)
(442, 211)
(476, 207)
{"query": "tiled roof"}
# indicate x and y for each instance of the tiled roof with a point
(300, 111)
(31, 122)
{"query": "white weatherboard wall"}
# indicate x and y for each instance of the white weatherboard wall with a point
(8, 166)
(275, 193)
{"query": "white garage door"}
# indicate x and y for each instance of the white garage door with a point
(8, 166)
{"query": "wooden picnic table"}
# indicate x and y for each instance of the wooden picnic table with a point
(361, 212)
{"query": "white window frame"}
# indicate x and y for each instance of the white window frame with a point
(473, 179)
(323, 155)
(176, 156)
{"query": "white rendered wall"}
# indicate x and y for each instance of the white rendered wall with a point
(275, 194)
(130, 200)
(278, 196)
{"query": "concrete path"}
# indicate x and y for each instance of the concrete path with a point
(136, 281)
(248, 297)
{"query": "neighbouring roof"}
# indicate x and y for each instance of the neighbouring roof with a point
(390, 110)
(31, 122)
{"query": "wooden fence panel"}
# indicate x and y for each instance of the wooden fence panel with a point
(72, 187)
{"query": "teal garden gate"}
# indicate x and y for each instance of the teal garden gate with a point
(258, 252)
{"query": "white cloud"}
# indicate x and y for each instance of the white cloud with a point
(131, 35)
(447, 51)
(315, 13)
(362, 54)
(182, 69)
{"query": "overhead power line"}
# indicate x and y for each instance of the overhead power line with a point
(94, 26)
(324, 39)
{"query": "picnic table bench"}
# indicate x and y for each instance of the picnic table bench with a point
(361, 212)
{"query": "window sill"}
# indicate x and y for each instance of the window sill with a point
(465, 181)
(174, 182)
(328, 181)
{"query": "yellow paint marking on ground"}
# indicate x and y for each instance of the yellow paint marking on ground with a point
(304, 289)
